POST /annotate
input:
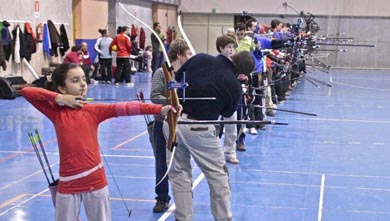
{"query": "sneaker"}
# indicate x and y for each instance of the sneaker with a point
(240, 147)
(253, 131)
(130, 84)
(261, 127)
(270, 113)
(232, 160)
(116, 84)
(160, 207)
(245, 130)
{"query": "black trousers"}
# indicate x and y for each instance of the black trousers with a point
(106, 69)
(123, 70)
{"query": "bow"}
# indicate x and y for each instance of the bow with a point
(183, 34)
(171, 94)
(173, 100)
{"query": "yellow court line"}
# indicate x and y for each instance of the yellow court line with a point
(129, 140)
(16, 198)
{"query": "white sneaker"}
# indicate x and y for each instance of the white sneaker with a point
(233, 160)
(245, 130)
(253, 131)
(130, 84)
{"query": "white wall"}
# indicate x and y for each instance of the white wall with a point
(318, 7)
(60, 12)
(203, 27)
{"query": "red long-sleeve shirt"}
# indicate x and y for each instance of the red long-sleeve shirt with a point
(77, 131)
(123, 45)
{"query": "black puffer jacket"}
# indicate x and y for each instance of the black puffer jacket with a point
(2, 56)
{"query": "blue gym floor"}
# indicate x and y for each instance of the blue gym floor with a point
(333, 167)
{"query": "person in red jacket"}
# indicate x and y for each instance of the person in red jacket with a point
(123, 52)
(74, 56)
(81, 177)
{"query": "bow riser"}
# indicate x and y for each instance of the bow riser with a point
(173, 100)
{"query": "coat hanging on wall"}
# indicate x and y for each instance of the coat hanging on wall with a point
(2, 56)
(19, 44)
(142, 38)
(46, 40)
(169, 35)
(64, 40)
(39, 32)
(31, 43)
(7, 40)
(54, 38)
(133, 33)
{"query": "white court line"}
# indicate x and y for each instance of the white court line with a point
(128, 156)
(314, 173)
(173, 206)
(320, 204)
(361, 87)
(344, 120)
(25, 178)
(27, 200)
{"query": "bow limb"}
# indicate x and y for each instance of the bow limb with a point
(183, 34)
(151, 30)
(171, 95)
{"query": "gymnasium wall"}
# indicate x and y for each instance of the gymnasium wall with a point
(317, 7)
(364, 20)
(203, 21)
(17, 12)
(82, 19)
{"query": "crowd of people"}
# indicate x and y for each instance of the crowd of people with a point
(117, 58)
(244, 78)
(246, 81)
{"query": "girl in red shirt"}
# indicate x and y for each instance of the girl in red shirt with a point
(82, 176)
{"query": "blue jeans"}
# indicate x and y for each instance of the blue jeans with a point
(161, 162)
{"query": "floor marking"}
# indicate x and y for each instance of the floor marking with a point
(134, 150)
(344, 120)
(132, 165)
(26, 177)
(320, 204)
(314, 173)
(21, 203)
(173, 206)
(16, 154)
(12, 200)
(368, 211)
(378, 143)
(129, 140)
(354, 142)
(133, 177)
(329, 141)
(127, 156)
(368, 88)
(276, 184)
(131, 200)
